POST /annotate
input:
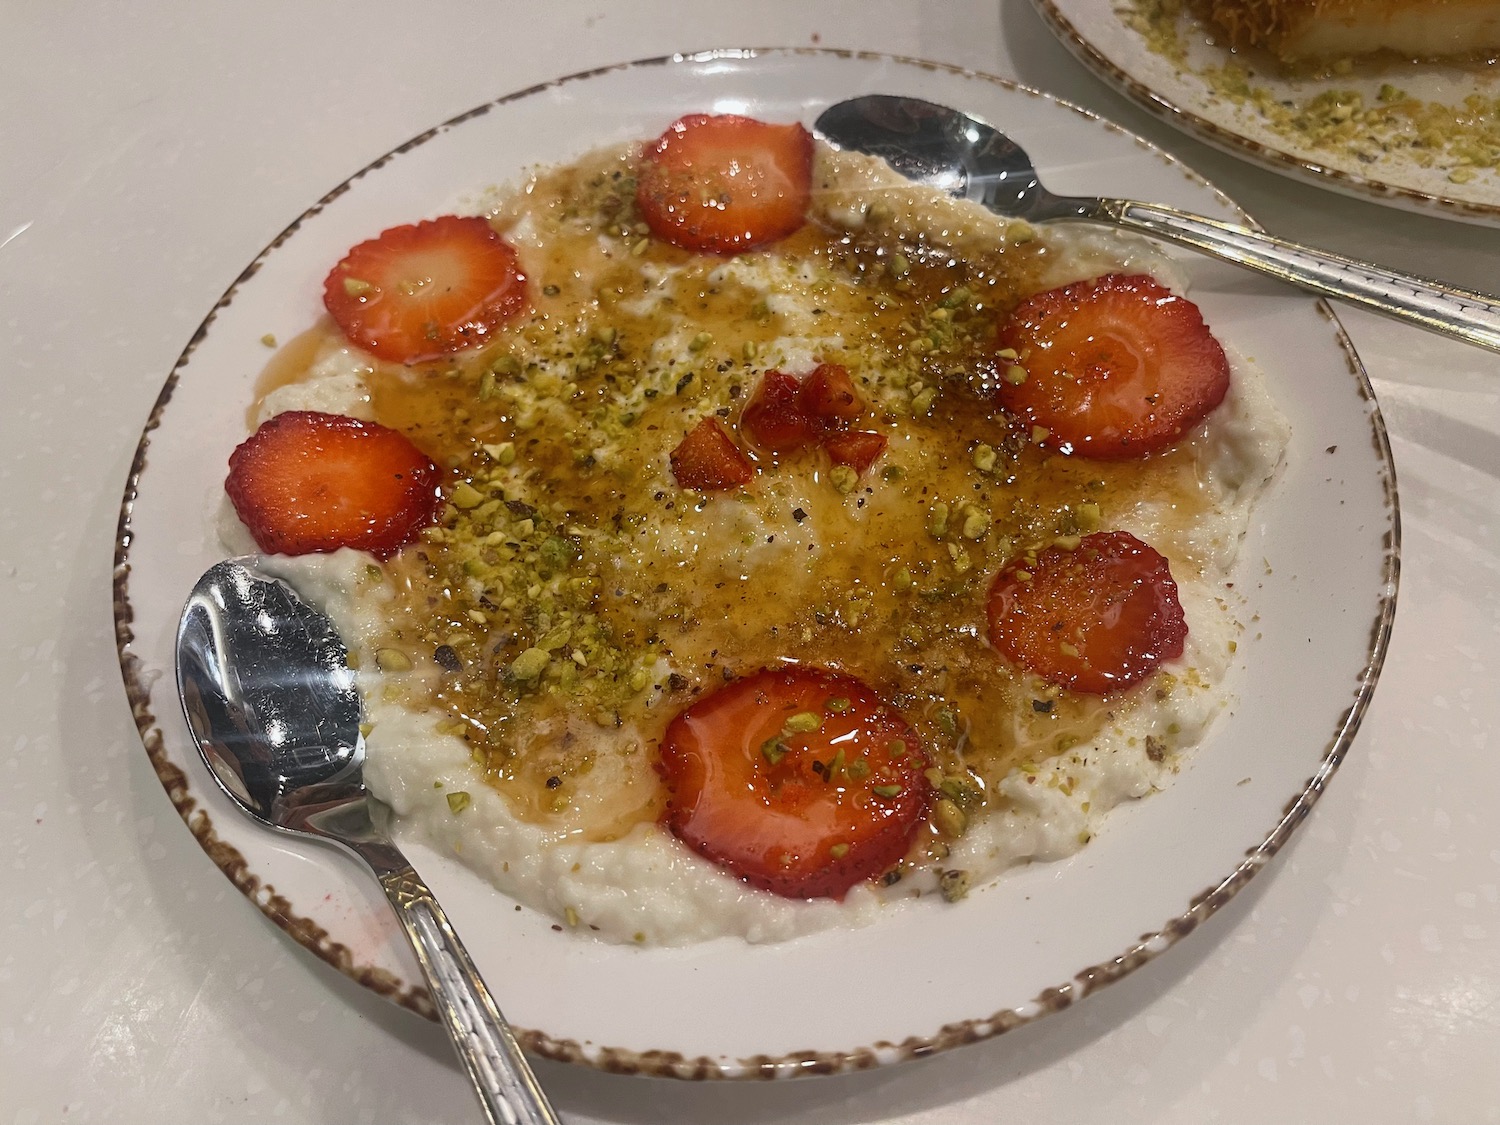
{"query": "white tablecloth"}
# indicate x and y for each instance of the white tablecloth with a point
(147, 151)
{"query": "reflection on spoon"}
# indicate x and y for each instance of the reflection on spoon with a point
(272, 705)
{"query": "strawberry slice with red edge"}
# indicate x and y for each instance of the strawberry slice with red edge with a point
(308, 482)
(1095, 619)
(708, 460)
(725, 184)
(426, 290)
(798, 780)
(1116, 367)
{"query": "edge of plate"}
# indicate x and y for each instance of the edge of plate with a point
(1269, 156)
(672, 1064)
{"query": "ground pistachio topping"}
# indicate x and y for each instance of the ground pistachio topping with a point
(572, 598)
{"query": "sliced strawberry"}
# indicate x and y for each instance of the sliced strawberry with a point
(859, 449)
(725, 184)
(707, 459)
(798, 780)
(828, 395)
(1116, 367)
(775, 419)
(307, 482)
(1095, 619)
(424, 291)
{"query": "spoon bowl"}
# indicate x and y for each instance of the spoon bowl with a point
(273, 706)
(968, 158)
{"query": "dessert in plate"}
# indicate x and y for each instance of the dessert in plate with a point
(734, 539)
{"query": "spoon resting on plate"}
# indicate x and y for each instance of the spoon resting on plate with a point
(270, 699)
(965, 157)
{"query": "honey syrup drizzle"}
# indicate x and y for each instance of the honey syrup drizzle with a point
(562, 426)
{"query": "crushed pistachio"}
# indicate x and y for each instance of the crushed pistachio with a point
(976, 524)
(953, 885)
(465, 495)
(937, 519)
(458, 801)
(948, 818)
(392, 660)
(530, 664)
(503, 453)
(803, 722)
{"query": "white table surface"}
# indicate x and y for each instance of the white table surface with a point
(149, 150)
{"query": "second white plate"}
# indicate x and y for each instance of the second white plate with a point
(1243, 103)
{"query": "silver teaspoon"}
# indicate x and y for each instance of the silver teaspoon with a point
(965, 157)
(267, 691)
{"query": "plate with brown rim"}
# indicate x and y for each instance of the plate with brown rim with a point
(1317, 573)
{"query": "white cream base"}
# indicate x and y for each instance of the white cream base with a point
(647, 888)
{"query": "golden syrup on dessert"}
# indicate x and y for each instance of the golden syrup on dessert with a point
(573, 598)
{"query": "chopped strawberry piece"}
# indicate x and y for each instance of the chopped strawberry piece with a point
(787, 413)
(775, 418)
(307, 482)
(859, 449)
(1116, 367)
(1095, 619)
(828, 395)
(424, 291)
(798, 780)
(725, 184)
(707, 459)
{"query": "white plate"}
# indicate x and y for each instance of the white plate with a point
(1319, 575)
(1183, 95)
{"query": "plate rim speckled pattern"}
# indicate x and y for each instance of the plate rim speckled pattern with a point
(316, 938)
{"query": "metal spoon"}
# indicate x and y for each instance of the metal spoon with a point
(267, 691)
(965, 157)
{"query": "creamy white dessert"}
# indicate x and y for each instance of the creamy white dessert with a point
(521, 662)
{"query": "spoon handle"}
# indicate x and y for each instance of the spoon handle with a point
(1469, 316)
(507, 1088)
